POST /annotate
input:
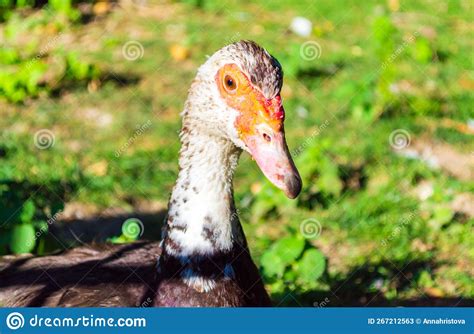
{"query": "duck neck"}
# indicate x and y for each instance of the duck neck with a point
(202, 219)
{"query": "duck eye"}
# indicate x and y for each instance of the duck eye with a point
(230, 83)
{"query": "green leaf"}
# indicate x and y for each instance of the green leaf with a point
(27, 212)
(22, 239)
(311, 266)
(121, 239)
(422, 51)
(329, 182)
(272, 264)
(442, 215)
(41, 225)
(289, 249)
(425, 280)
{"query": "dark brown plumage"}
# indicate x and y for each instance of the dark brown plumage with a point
(119, 275)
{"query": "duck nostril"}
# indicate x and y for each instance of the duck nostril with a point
(267, 137)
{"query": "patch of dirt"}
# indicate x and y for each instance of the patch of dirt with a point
(464, 204)
(442, 156)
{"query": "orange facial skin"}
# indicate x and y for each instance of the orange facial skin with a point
(260, 127)
(253, 106)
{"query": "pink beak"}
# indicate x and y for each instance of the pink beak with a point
(270, 151)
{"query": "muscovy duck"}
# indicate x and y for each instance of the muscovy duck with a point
(234, 104)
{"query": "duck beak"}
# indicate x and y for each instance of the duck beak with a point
(270, 151)
(263, 134)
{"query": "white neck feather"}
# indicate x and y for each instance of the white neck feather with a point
(202, 217)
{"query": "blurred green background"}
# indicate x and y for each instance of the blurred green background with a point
(380, 122)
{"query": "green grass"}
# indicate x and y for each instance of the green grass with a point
(381, 242)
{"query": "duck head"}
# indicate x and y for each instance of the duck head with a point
(237, 96)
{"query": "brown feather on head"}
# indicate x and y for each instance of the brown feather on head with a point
(264, 70)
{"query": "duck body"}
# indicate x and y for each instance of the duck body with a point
(233, 105)
(88, 276)
(217, 287)
(112, 276)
